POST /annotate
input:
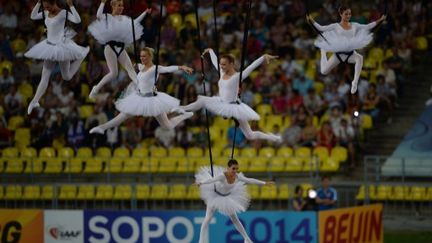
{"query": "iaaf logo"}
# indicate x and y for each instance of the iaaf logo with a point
(59, 233)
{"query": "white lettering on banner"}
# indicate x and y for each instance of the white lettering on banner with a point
(99, 230)
(115, 229)
(147, 233)
(189, 230)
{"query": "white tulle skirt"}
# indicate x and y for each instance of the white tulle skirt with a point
(237, 201)
(66, 50)
(241, 111)
(338, 43)
(138, 105)
(105, 30)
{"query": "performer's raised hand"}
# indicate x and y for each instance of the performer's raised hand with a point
(268, 58)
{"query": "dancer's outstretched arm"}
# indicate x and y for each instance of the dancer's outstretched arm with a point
(172, 69)
(321, 27)
(247, 180)
(266, 57)
(372, 24)
(99, 13)
(213, 57)
(36, 14)
(74, 16)
(142, 16)
(212, 180)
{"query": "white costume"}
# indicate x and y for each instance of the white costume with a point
(226, 103)
(228, 199)
(343, 43)
(58, 47)
(115, 32)
(144, 101)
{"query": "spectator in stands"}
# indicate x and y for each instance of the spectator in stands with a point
(184, 137)
(8, 19)
(302, 84)
(309, 134)
(6, 135)
(20, 69)
(346, 136)
(370, 104)
(326, 195)
(291, 136)
(132, 135)
(313, 103)
(276, 130)
(200, 137)
(13, 102)
(240, 139)
(326, 137)
(298, 202)
(165, 137)
(295, 102)
(6, 80)
(75, 132)
(279, 102)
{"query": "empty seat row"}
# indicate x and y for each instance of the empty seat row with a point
(395, 193)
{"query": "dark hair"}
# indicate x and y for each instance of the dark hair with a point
(50, 1)
(325, 177)
(297, 189)
(232, 162)
(343, 8)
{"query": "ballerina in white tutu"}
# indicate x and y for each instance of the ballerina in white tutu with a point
(58, 47)
(227, 104)
(343, 39)
(115, 32)
(144, 100)
(225, 192)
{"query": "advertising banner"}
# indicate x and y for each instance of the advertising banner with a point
(21, 226)
(65, 226)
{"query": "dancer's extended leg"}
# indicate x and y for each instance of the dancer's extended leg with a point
(238, 225)
(204, 226)
(47, 69)
(111, 60)
(253, 135)
(357, 59)
(173, 122)
(327, 65)
(116, 121)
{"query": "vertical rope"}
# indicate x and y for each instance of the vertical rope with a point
(131, 4)
(158, 42)
(216, 37)
(204, 87)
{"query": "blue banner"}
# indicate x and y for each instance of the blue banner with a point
(184, 227)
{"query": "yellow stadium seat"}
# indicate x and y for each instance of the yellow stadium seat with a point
(400, 193)
(85, 192)
(177, 152)
(85, 111)
(142, 192)
(264, 109)
(22, 137)
(201, 162)
(366, 121)
(176, 20)
(34, 166)
(28, 153)
(227, 152)
(84, 152)
(167, 165)
(429, 194)
(254, 191)
(18, 45)
(321, 152)
(277, 164)
(193, 193)
(146, 165)
(294, 164)
(14, 165)
(153, 165)
(269, 193)
(283, 192)
(221, 122)
(361, 193)
(93, 165)
(376, 53)
(158, 152)
(31, 192)
(418, 193)
(285, 152)
(258, 164)
(47, 152)
(121, 152)
(303, 152)
(248, 152)
(339, 154)
(421, 43)
(140, 153)
(15, 122)
(104, 192)
(65, 152)
(310, 164)
(47, 192)
(383, 192)
(319, 87)
(191, 18)
(10, 152)
(177, 192)
(53, 166)
(67, 192)
(13, 192)
(306, 187)
(329, 165)
(122, 192)
(103, 152)
(216, 134)
(195, 152)
(115, 165)
(267, 152)
(132, 165)
(185, 165)
(75, 165)
(257, 99)
(159, 192)
(25, 90)
(215, 152)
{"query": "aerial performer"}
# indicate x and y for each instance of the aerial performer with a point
(58, 47)
(115, 32)
(225, 192)
(343, 39)
(227, 104)
(144, 100)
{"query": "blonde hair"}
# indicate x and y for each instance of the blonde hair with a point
(149, 51)
(116, 1)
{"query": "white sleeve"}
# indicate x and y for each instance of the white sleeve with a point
(324, 27)
(169, 69)
(141, 17)
(214, 59)
(100, 10)
(246, 180)
(36, 14)
(247, 71)
(74, 16)
(366, 26)
(213, 180)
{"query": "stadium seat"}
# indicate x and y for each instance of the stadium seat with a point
(258, 164)
(254, 191)
(294, 164)
(115, 165)
(66, 152)
(84, 152)
(122, 192)
(34, 166)
(177, 192)
(216, 151)
(201, 162)
(104, 192)
(177, 152)
(158, 152)
(221, 122)
(75, 165)
(193, 193)
(25, 90)
(185, 165)
(429, 194)
(383, 192)
(421, 43)
(264, 110)
(339, 154)
(146, 165)
(285, 152)
(28, 152)
(14, 166)
(306, 187)
(142, 192)
(86, 192)
(167, 165)
(47, 192)
(93, 165)
(376, 53)
(53, 166)
(267, 152)
(159, 192)
(303, 152)
(85, 111)
(366, 121)
(13, 192)
(10, 152)
(1, 193)
(132, 165)
(194, 152)
(31, 192)
(269, 193)
(176, 21)
(22, 137)
(329, 165)
(15, 122)
(399, 193)
(321, 152)
(67, 192)
(47, 152)
(121, 152)
(248, 152)
(277, 164)
(418, 193)
(154, 164)
(283, 192)
(140, 153)
(103, 152)
(226, 153)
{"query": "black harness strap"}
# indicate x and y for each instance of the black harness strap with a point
(348, 54)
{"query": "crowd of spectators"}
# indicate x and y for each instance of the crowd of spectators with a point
(293, 86)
